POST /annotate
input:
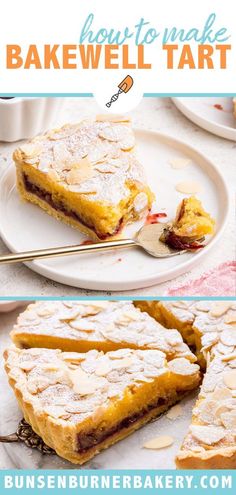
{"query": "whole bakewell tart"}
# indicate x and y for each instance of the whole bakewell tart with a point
(86, 175)
(80, 404)
(102, 325)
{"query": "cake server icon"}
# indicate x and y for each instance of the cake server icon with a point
(123, 87)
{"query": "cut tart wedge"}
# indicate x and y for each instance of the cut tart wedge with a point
(102, 325)
(86, 175)
(202, 324)
(80, 404)
(210, 442)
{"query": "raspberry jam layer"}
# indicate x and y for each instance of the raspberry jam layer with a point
(59, 206)
(94, 437)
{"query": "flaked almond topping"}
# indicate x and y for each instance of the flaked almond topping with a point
(160, 442)
(103, 369)
(175, 412)
(188, 187)
(82, 325)
(228, 337)
(113, 133)
(229, 378)
(80, 173)
(27, 365)
(208, 435)
(128, 142)
(45, 311)
(180, 304)
(230, 318)
(181, 366)
(122, 363)
(31, 150)
(83, 384)
(219, 308)
(229, 420)
(221, 394)
(112, 118)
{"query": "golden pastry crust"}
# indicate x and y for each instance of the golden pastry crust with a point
(86, 175)
(82, 403)
(234, 106)
(103, 325)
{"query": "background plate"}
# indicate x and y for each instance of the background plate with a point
(215, 114)
(24, 226)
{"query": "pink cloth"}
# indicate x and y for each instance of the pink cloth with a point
(220, 281)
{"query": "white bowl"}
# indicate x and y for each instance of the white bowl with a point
(6, 306)
(23, 118)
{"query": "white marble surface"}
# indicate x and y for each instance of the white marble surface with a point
(153, 113)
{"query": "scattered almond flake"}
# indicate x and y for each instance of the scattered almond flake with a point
(27, 365)
(188, 187)
(105, 168)
(160, 442)
(122, 363)
(103, 369)
(180, 304)
(231, 317)
(82, 172)
(113, 133)
(219, 308)
(208, 435)
(221, 394)
(82, 325)
(228, 337)
(206, 411)
(182, 366)
(56, 411)
(229, 420)
(128, 142)
(112, 118)
(31, 150)
(175, 412)
(45, 311)
(221, 409)
(179, 163)
(229, 378)
(82, 383)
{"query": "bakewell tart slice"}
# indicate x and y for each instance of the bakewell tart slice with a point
(103, 325)
(202, 324)
(210, 442)
(80, 404)
(86, 175)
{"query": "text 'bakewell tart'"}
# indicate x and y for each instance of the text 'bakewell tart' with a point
(102, 325)
(86, 175)
(80, 404)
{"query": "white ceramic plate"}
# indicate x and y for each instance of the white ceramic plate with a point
(215, 114)
(24, 226)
